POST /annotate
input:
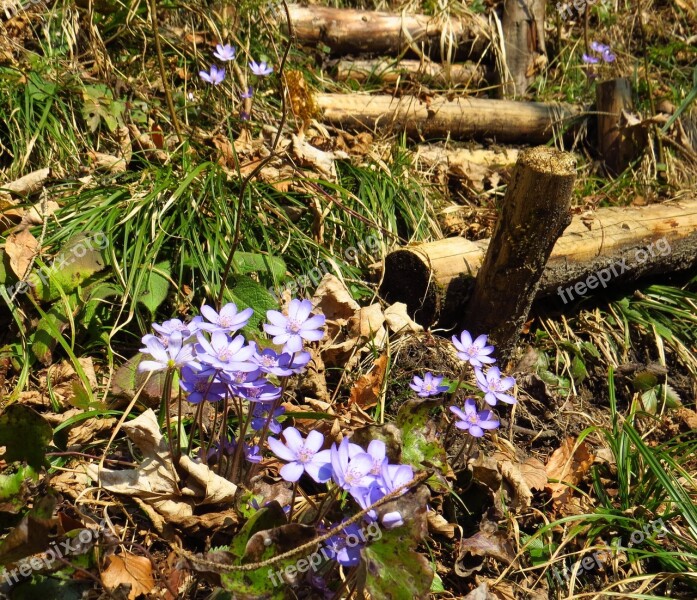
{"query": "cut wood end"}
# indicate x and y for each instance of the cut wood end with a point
(548, 160)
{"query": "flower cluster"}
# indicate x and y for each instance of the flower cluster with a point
(366, 474)
(602, 50)
(494, 387)
(215, 362)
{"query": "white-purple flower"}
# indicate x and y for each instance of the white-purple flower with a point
(428, 386)
(475, 352)
(225, 53)
(216, 76)
(299, 325)
(175, 354)
(350, 470)
(261, 69)
(274, 363)
(248, 94)
(229, 319)
(472, 420)
(494, 386)
(303, 456)
(224, 353)
(167, 328)
(395, 476)
(260, 393)
(377, 451)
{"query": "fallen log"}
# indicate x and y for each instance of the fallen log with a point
(452, 157)
(461, 118)
(535, 212)
(352, 31)
(468, 74)
(609, 247)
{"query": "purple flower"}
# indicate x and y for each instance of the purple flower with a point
(349, 470)
(167, 328)
(591, 60)
(244, 115)
(475, 352)
(260, 415)
(260, 393)
(395, 476)
(225, 53)
(608, 56)
(201, 386)
(252, 454)
(428, 386)
(216, 75)
(376, 450)
(261, 69)
(248, 94)
(494, 385)
(271, 362)
(225, 353)
(599, 48)
(473, 421)
(228, 320)
(299, 325)
(302, 456)
(345, 547)
(175, 354)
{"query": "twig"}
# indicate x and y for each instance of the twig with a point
(265, 161)
(218, 568)
(163, 73)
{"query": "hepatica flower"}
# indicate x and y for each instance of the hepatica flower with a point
(603, 50)
(248, 94)
(225, 53)
(261, 69)
(299, 325)
(200, 387)
(428, 386)
(349, 470)
(472, 420)
(216, 76)
(224, 353)
(494, 386)
(475, 352)
(175, 354)
(260, 415)
(345, 547)
(228, 319)
(302, 456)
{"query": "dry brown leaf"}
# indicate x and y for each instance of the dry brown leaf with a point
(366, 391)
(314, 158)
(487, 543)
(438, 524)
(154, 482)
(107, 162)
(21, 248)
(568, 464)
(399, 321)
(368, 322)
(128, 569)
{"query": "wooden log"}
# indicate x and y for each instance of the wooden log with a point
(626, 243)
(352, 31)
(536, 210)
(461, 118)
(524, 43)
(469, 74)
(618, 146)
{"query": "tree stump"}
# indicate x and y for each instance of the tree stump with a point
(535, 212)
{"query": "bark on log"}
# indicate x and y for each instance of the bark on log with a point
(462, 118)
(351, 31)
(524, 43)
(618, 146)
(536, 210)
(468, 74)
(624, 244)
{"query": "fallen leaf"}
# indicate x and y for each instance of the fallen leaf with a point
(21, 248)
(367, 322)
(487, 543)
(366, 391)
(154, 483)
(399, 321)
(131, 570)
(568, 464)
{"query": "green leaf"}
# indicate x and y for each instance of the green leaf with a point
(99, 105)
(11, 486)
(79, 260)
(156, 287)
(420, 446)
(252, 262)
(44, 339)
(578, 369)
(246, 293)
(394, 570)
(25, 435)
